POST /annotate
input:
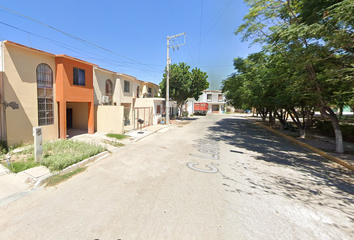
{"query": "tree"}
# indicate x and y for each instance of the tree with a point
(319, 35)
(184, 84)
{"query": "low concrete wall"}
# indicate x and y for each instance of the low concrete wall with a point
(109, 119)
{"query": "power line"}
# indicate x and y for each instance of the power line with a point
(200, 31)
(74, 37)
(63, 45)
(232, 34)
(190, 54)
(221, 13)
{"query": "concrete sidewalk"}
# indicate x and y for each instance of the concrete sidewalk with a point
(14, 186)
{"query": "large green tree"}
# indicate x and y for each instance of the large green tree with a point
(317, 39)
(184, 83)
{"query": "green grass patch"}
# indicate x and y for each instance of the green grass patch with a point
(56, 179)
(117, 136)
(20, 166)
(58, 155)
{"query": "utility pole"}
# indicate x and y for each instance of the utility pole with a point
(172, 38)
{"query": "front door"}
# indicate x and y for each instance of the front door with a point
(215, 108)
(69, 118)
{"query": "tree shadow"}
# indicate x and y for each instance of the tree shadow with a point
(319, 174)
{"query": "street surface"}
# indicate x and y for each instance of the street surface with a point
(217, 177)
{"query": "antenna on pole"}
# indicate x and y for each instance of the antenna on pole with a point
(172, 39)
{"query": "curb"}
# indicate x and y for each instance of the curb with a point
(71, 168)
(85, 162)
(316, 150)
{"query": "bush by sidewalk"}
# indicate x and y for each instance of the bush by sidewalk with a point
(326, 128)
(57, 155)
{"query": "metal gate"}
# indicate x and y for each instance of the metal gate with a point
(144, 113)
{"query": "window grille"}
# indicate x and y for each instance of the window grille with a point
(45, 95)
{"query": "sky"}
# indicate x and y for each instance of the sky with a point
(131, 36)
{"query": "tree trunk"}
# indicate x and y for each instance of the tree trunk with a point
(302, 133)
(263, 112)
(181, 111)
(281, 117)
(339, 141)
(327, 111)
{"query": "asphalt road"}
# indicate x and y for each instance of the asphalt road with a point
(216, 177)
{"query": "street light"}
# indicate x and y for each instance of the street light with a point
(172, 38)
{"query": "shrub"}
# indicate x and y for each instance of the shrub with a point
(117, 136)
(61, 154)
(326, 128)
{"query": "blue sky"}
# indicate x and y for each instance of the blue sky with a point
(134, 31)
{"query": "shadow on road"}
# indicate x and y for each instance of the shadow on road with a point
(271, 148)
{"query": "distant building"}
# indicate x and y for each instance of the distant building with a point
(214, 98)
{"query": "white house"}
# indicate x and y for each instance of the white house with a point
(214, 98)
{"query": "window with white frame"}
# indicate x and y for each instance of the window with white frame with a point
(208, 97)
(79, 77)
(109, 91)
(220, 98)
(45, 95)
(126, 86)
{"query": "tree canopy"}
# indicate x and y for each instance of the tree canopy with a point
(184, 83)
(307, 59)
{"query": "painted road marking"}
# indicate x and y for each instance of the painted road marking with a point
(213, 169)
(209, 147)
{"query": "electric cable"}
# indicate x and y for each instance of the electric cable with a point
(74, 37)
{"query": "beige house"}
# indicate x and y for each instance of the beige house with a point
(27, 93)
(109, 113)
(59, 92)
(121, 100)
(149, 89)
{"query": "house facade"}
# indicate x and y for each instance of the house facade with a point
(28, 84)
(149, 89)
(214, 98)
(75, 94)
(59, 93)
(107, 95)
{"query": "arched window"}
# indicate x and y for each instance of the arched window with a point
(45, 95)
(137, 91)
(109, 91)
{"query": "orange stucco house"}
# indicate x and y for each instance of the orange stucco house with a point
(75, 94)
(40, 89)
(59, 92)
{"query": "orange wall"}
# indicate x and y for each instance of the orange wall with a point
(66, 91)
